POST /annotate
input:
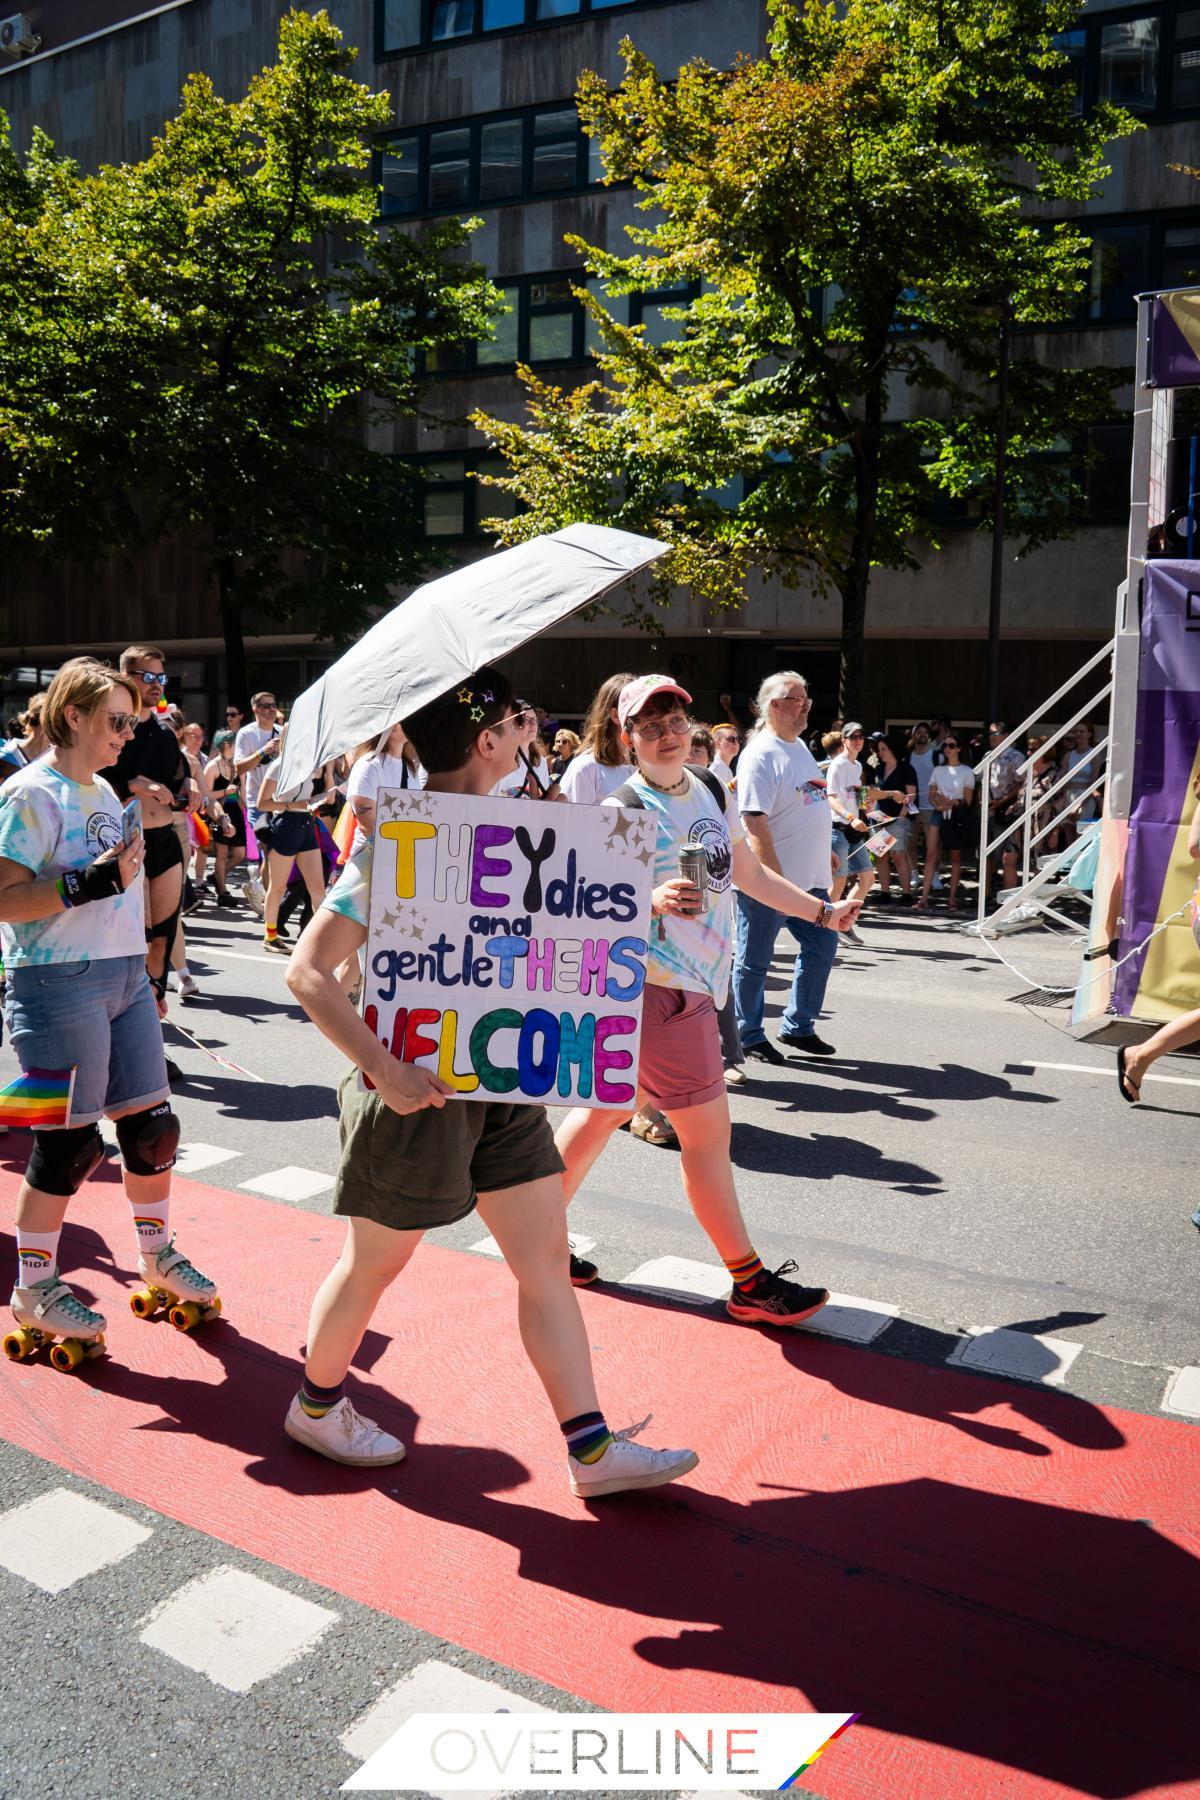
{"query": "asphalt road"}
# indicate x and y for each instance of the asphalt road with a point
(933, 1166)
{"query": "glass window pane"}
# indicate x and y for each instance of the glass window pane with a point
(602, 5)
(1074, 46)
(1185, 75)
(451, 468)
(401, 175)
(551, 337)
(449, 167)
(1181, 256)
(500, 145)
(1120, 259)
(555, 166)
(557, 9)
(499, 13)
(502, 346)
(401, 24)
(445, 512)
(1129, 64)
(551, 293)
(490, 502)
(562, 122)
(447, 359)
(453, 18)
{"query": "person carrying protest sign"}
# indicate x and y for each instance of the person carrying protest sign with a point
(411, 1162)
(687, 981)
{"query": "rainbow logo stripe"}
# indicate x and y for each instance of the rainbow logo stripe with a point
(792, 1778)
(39, 1258)
(148, 1226)
(39, 1097)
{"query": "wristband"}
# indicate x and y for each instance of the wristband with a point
(98, 881)
(822, 917)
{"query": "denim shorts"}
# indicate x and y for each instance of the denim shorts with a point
(98, 1016)
(850, 862)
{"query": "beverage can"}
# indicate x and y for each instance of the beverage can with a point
(693, 867)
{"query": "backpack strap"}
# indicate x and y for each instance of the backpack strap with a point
(627, 795)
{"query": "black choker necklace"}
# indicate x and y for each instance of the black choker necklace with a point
(677, 788)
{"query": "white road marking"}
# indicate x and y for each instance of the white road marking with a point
(430, 1687)
(1022, 1355)
(60, 1537)
(489, 1247)
(683, 1279)
(1108, 1073)
(1183, 1393)
(857, 1321)
(235, 1628)
(191, 1158)
(289, 1183)
(204, 951)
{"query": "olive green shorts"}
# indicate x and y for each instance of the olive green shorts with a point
(427, 1168)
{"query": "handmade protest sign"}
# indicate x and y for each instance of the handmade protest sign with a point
(507, 945)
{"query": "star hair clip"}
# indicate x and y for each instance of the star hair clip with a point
(467, 698)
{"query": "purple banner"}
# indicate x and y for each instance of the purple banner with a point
(1175, 339)
(1168, 730)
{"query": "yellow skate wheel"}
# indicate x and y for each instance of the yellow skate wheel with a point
(184, 1315)
(96, 1347)
(20, 1344)
(143, 1303)
(68, 1355)
(213, 1309)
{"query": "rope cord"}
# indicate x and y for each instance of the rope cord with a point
(1101, 974)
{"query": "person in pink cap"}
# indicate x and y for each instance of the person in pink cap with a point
(691, 934)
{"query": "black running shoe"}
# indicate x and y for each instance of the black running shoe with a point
(810, 1043)
(764, 1053)
(773, 1300)
(228, 903)
(583, 1273)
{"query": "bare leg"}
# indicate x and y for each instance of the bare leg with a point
(372, 1257)
(529, 1224)
(163, 894)
(580, 1139)
(275, 882)
(1175, 1035)
(37, 1211)
(703, 1133)
(312, 873)
(955, 874)
(933, 858)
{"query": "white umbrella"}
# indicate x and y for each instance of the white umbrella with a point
(437, 636)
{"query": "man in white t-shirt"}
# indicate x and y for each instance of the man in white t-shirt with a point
(782, 798)
(254, 749)
(728, 741)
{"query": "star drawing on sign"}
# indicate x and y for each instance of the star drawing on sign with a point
(618, 830)
(389, 919)
(645, 855)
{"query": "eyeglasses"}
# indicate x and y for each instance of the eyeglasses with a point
(678, 725)
(121, 721)
(148, 676)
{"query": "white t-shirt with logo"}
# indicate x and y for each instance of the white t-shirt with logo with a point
(588, 782)
(692, 953)
(49, 824)
(844, 777)
(784, 782)
(250, 739)
(922, 762)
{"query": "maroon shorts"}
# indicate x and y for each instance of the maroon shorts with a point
(681, 1048)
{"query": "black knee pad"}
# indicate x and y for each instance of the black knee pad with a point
(62, 1160)
(149, 1139)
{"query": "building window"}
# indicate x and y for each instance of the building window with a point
(1137, 254)
(455, 503)
(1146, 59)
(544, 323)
(484, 162)
(405, 25)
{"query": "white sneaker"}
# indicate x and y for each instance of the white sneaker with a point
(855, 938)
(189, 987)
(344, 1436)
(626, 1465)
(735, 1075)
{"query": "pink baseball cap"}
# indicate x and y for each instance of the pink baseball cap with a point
(634, 695)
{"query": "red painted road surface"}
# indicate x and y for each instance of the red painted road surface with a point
(1004, 1582)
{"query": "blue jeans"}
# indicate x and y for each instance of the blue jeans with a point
(99, 1017)
(757, 928)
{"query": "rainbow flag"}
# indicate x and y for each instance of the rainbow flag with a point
(40, 1097)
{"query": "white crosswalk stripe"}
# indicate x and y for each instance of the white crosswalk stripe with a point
(1022, 1355)
(1183, 1393)
(57, 1539)
(289, 1183)
(235, 1628)
(431, 1687)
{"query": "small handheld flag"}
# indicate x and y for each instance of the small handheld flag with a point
(39, 1097)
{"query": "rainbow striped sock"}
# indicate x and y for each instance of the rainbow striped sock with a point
(745, 1270)
(37, 1255)
(272, 932)
(317, 1401)
(588, 1437)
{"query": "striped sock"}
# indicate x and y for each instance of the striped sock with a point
(37, 1255)
(588, 1437)
(272, 932)
(317, 1401)
(745, 1270)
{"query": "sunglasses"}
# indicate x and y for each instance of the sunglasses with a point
(676, 726)
(520, 719)
(233, 715)
(265, 706)
(122, 721)
(949, 744)
(854, 737)
(149, 676)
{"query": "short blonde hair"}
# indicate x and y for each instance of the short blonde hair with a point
(86, 683)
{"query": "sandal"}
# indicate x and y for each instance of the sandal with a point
(1125, 1082)
(652, 1128)
(921, 905)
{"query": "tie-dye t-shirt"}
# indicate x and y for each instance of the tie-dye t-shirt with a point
(50, 824)
(692, 953)
(350, 894)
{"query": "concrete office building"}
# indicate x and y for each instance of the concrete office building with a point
(484, 123)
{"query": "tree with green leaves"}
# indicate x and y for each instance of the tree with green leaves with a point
(257, 330)
(854, 211)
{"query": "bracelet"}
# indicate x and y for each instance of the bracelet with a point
(822, 917)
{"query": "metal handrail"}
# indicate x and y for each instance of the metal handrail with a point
(1031, 721)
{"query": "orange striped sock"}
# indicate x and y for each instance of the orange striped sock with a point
(745, 1270)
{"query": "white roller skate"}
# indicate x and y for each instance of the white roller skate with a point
(48, 1310)
(172, 1283)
